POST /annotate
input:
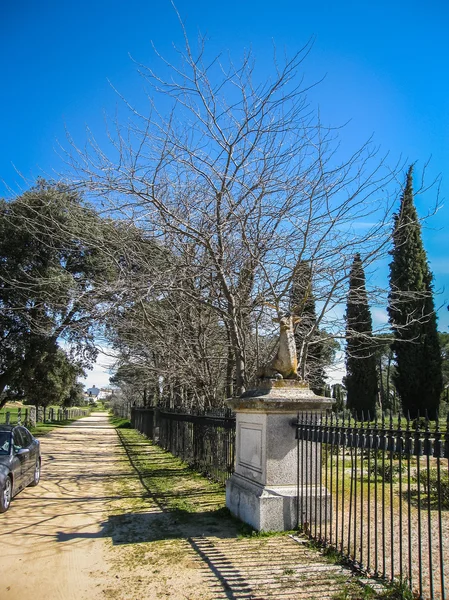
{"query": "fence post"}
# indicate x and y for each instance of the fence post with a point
(264, 490)
(156, 421)
(32, 416)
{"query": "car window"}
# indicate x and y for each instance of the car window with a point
(5, 442)
(19, 440)
(26, 437)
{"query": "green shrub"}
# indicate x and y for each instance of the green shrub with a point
(388, 472)
(428, 482)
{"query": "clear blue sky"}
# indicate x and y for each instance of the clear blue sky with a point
(386, 68)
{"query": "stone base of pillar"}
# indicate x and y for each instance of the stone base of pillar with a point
(263, 490)
(274, 508)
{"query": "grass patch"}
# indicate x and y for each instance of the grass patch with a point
(44, 428)
(120, 423)
(331, 554)
(356, 591)
(167, 479)
(397, 590)
(246, 531)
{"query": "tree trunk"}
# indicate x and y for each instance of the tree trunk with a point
(230, 372)
(237, 349)
(5, 378)
(388, 378)
(381, 382)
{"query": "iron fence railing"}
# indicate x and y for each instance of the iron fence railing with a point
(378, 492)
(205, 440)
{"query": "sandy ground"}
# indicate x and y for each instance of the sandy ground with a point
(51, 537)
(90, 530)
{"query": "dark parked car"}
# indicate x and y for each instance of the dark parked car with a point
(20, 462)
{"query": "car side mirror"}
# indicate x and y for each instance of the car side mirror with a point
(22, 451)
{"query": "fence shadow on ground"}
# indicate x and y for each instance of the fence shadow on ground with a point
(139, 527)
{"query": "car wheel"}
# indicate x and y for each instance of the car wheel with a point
(37, 473)
(5, 495)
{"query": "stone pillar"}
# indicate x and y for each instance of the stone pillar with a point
(263, 491)
(32, 416)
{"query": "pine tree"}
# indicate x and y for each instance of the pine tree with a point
(418, 377)
(361, 377)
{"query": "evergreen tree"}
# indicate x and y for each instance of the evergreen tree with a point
(338, 394)
(361, 377)
(418, 377)
(307, 336)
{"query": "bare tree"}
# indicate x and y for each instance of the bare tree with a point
(237, 168)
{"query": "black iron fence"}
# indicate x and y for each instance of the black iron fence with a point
(378, 493)
(205, 439)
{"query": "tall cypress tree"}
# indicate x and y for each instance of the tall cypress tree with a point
(303, 304)
(411, 309)
(361, 377)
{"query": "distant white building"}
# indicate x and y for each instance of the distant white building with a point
(93, 392)
(104, 393)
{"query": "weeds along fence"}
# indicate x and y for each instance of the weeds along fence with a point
(205, 440)
(378, 493)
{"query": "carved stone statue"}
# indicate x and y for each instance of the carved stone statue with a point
(285, 364)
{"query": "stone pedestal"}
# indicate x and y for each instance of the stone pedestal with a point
(263, 491)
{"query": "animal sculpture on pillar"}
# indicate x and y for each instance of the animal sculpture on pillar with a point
(285, 364)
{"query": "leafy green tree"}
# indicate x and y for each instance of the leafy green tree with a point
(75, 395)
(339, 395)
(418, 377)
(55, 276)
(361, 378)
(52, 379)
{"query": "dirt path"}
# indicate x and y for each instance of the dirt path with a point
(94, 529)
(52, 532)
